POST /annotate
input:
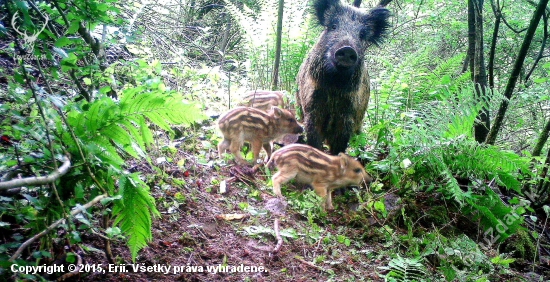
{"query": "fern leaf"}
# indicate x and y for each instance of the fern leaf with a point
(101, 148)
(122, 138)
(405, 269)
(134, 212)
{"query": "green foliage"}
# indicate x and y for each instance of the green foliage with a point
(134, 212)
(420, 78)
(258, 28)
(433, 148)
(105, 122)
(457, 258)
(103, 107)
(99, 133)
(405, 269)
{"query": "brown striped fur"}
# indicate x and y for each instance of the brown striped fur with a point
(263, 99)
(255, 126)
(311, 166)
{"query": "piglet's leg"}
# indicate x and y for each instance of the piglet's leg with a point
(222, 147)
(328, 201)
(322, 191)
(268, 147)
(256, 147)
(282, 177)
(235, 149)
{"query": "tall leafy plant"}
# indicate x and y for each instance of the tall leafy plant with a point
(75, 104)
(428, 140)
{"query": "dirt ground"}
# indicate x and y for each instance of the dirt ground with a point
(193, 235)
(208, 234)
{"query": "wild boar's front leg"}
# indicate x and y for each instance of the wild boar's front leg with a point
(339, 134)
(321, 189)
(256, 147)
(281, 177)
(268, 147)
(315, 117)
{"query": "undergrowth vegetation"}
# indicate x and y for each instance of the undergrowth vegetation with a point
(108, 92)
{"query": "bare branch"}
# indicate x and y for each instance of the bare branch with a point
(278, 236)
(75, 272)
(542, 47)
(33, 181)
(74, 212)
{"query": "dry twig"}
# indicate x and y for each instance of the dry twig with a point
(55, 224)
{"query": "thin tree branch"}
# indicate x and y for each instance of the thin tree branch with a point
(542, 47)
(492, 50)
(511, 27)
(33, 181)
(75, 272)
(543, 137)
(74, 212)
(278, 236)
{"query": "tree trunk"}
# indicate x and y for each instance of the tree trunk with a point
(491, 138)
(491, 64)
(477, 66)
(543, 137)
(542, 187)
(275, 81)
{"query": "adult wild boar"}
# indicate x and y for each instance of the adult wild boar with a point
(333, 81)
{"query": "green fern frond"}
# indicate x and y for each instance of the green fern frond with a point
(102, 149)
(133, 212)
(502, 220)
(125, 124)
(111, 131)
(161, 109)
(405, 269)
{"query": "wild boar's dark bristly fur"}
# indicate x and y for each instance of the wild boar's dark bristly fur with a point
(333, 81)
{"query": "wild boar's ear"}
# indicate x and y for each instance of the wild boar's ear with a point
(378, 22)
(276, 111)
(343, 161)
(321, 6)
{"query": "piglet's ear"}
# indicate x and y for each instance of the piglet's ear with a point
(378, 22)
(343, 161)
(276, 111)
(322, 6)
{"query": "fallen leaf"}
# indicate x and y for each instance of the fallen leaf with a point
(232, 216)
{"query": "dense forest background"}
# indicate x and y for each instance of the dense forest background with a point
(108, 154)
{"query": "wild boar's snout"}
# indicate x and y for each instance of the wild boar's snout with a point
(367, 178)
(345, 57)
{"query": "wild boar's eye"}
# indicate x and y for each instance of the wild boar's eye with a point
(357, 170)
(363, 34)
(333, 25)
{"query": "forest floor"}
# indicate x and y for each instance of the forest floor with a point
(195, 233)
(212, 236)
